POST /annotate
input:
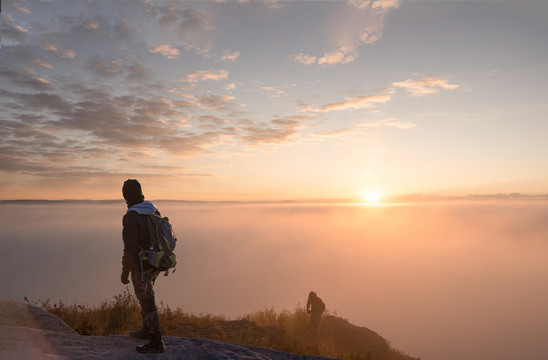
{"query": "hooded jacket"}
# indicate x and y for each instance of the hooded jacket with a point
(135, 234)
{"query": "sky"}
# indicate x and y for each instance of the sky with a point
(271, 100)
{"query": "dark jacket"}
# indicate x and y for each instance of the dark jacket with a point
(135, 234)
(315, 305)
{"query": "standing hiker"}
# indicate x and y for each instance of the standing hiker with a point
(135, 235)
(315, 307)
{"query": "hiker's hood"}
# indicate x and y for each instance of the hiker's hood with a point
(144, 208)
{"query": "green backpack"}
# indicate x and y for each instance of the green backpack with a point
(162, 241)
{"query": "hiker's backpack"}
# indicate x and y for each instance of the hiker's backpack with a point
(162, 241)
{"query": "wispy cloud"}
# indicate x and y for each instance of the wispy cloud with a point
(276, 92)
(334, 133)
(20, 7)
(426, 86)
(272, 132)
(390, 122)
(230, 56)
(422, 87)
(354, 103)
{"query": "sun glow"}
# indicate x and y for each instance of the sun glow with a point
(371, 196)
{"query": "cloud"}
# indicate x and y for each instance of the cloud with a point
(19, 7)
(25, 78)
(334, 133)
(305, 59)
(215, 102)
(205, 75)
(343, 55)
(390, 122)
(230, 56)
(36, 101)
(106, 126)
(378, 5)
(274, 4)
(416, 88)
(385, 5)
(369, 37)
(108, 68)
(355, 103)
(104, 67)
(360, 4)
(273, 132)
(64, 53)
(276, 92)
(183, 16)
(14, 33)
(138, 72)
(428, 85)
(68, 105)
(167, 51)
(186, 25)
(29, 56)
(90, 25)
(209, 121)
(343, 40)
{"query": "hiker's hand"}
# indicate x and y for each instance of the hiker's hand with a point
(125, 277)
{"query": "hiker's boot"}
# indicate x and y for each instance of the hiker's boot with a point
(142, 333)
(152, 347)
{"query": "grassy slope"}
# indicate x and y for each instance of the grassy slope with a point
(280, 330)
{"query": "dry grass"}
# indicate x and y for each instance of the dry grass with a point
(280, 330)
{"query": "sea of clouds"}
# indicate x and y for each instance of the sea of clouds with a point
(447, 280)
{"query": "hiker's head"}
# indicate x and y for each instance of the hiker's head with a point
(132, 192)
(312, 294)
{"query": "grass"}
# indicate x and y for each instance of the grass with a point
(279, 330)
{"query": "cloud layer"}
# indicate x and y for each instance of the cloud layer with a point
(361, 260)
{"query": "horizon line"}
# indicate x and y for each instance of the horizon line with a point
(405, 198)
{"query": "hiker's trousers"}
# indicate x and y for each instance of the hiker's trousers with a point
(144, 290)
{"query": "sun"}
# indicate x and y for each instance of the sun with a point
(371, 196)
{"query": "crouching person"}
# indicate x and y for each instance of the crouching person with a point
(135, 236)
(315, 307)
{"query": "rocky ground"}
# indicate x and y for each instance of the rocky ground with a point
(31, 333)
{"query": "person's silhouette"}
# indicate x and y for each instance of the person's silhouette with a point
(315, 307)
